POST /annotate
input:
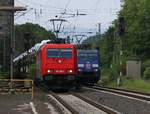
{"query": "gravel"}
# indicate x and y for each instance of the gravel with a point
(81, 106)
(119, 103)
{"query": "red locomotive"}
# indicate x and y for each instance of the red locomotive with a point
(56, 65)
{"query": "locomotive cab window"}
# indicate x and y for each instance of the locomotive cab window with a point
(88, 56)
(59, 53)
(66, 53)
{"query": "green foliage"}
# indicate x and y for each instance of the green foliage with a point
(105, 77)
(136, 40)
(104, 81)
(146, 64)
(136, 84)
(32, 70)
(109, 75)
(137, 16)
(37, 34)
(114, 73)
(107, 47)
(131, 84)
(147, 73)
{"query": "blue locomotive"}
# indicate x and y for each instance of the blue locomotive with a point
(88, 66)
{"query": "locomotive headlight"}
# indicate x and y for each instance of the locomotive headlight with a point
(95, 70)
(48, 71)
(79, 70)
(70, 71)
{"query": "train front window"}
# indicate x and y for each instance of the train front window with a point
(66, 53)
(88, 56)
(52, 53)
(59, 53)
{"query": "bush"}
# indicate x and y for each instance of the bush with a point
(114, 72)
(145, 65)
(104, 81)
(147, 73)
(113, 75)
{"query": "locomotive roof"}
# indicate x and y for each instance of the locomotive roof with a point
(39, 46)
(57, 46)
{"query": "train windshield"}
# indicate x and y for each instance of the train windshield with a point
(59, 53)
(88, 56)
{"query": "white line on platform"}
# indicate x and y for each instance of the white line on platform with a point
(33, 108)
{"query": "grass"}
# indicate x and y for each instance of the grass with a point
(132, 84)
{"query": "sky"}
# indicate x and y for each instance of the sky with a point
(96, 11)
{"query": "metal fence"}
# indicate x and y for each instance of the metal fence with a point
(17, 85)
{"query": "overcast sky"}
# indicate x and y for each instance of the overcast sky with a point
(97, 11)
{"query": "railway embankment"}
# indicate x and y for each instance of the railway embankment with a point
(129, 83)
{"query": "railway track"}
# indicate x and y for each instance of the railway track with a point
(74, 103)
(64, 108)
(128, 93)
(93, 103)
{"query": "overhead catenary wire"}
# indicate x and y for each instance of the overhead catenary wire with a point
(65, 10)
(45, 9)
(22, 14)
(42, 12)
(96, 4)
(89, 10)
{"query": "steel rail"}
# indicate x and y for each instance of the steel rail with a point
(64, 103)
(125, 90)
(99, 106)
(133, 94)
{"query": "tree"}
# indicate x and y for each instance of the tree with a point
(135, 41)
(36, 35)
